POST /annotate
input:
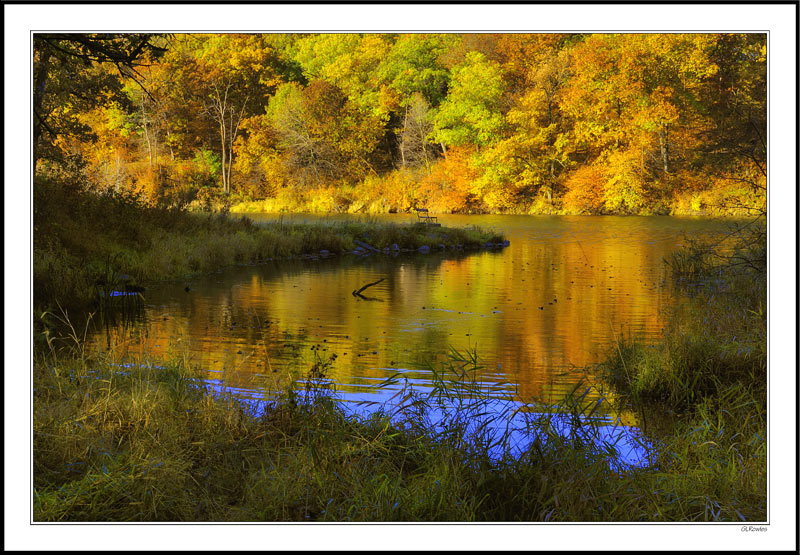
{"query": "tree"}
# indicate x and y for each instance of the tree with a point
(234, 75)
(68, 79)
(525, 165)
(470, 114)
(413, 66)
(734, 146)
(290, 118)
(415, 150)
(327, 136)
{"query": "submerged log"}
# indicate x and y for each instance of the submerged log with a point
(365, 245)
(358, 292)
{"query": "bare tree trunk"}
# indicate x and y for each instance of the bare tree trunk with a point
(223, 112)
(232, 139)
(147, 131)
(224, 149)
(663, 140)
(149, 145)
(403, 139)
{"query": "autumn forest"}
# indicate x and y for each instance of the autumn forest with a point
(375, 123)
(399, 278)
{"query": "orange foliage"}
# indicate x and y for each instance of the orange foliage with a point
(447, 187)
(652, 121)
(584, 191)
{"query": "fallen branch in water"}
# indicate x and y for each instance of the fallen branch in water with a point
(357, 293)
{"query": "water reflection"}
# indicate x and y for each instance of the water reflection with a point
(538, 311)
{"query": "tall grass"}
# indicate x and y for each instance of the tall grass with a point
(741, 250)
(710, 367)
(143, 440)
(81, 238)
(148, 442)
(716, 336)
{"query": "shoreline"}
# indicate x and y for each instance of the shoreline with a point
(83, 241)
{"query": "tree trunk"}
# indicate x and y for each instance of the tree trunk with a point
(149, 144)
(663, 139)
(224, 157)
(403, 140)
(39, 89)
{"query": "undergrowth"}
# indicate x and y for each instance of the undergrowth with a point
(154, 442)
(81, 238)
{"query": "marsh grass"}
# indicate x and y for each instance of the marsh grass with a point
(715, 337)
(742, 250)
(80, 239)
(149, 442)
(710, 368)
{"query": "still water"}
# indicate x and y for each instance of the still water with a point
(539, 312)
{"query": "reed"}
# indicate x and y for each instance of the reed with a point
(715, 337)
(151, 442)
(83, 239)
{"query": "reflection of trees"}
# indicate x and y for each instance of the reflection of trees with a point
(265, 319)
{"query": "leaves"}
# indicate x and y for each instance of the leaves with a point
(549, 123)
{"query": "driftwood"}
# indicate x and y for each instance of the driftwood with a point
(358, 292)
(365, 245)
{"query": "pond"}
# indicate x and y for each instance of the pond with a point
(538, 312)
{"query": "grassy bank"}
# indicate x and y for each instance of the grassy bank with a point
(80, 238)
(716, 336)
(716, 339)
(152, 442)
(144, 440)
(709, 369)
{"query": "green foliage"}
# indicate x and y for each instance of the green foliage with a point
(471, 112)
(209, 160)
(676, 123)
(412, 66)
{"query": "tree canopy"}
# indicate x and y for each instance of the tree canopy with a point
(539, 123)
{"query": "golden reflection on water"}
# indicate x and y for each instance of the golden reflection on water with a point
(539, 311)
